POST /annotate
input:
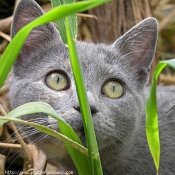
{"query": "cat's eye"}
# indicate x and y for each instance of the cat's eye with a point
(57, 81)
(112, 89)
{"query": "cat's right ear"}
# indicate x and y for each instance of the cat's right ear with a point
(27, 11)
(136, 48)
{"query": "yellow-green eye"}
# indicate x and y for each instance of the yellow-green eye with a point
(113, 89)
(57, 81)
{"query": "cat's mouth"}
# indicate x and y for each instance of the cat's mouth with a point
(80, 132)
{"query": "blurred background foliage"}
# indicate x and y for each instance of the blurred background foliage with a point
(103, 24)
(108, 22)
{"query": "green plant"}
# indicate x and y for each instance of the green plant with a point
(152, 128)
(89, 164)
(61, 22)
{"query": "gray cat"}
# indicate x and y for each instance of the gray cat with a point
(115, 77)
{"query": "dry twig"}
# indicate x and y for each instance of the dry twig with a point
(2, 164)
(3, 45)
(167, 79)
(5, 24)
(29, 159)
(10, 146)
(5, 36)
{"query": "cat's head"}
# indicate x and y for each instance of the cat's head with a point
(115, 76)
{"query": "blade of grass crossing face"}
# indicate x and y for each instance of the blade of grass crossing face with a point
(13, 49)
(84, 105)
(152, 128)
(48, 131)
(61, 22)
(80, 160)
(40, 107)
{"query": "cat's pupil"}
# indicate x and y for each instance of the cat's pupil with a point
(113, 87)
(58, 79)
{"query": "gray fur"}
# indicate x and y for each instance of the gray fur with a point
(119, 123)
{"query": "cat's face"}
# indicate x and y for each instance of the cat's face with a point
(115, 76)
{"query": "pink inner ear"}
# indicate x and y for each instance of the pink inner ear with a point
(137, 46)
(26, 11)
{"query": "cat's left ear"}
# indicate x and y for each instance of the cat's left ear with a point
(136, 48)
(41, 36)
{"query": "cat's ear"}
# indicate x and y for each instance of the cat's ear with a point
(27, 11)
(136, 48)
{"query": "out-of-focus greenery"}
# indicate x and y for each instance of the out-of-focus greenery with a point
(164, 12)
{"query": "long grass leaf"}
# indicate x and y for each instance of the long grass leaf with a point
(84, 105)
(12, 51)
(152, 128)
(41, 107)
(48, 131)
(61, 22)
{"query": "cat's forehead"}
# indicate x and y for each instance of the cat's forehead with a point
(94, 54)
(99, 61)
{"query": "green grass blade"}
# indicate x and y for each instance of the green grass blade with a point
(40, 107)
(152, 128)
(12, 51)
(48, 131)
(61, 22)
(84, 105)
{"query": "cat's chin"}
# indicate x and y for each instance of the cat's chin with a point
(80, 132)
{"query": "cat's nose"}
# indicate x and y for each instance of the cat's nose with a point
(92, 108)
(91, 103)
